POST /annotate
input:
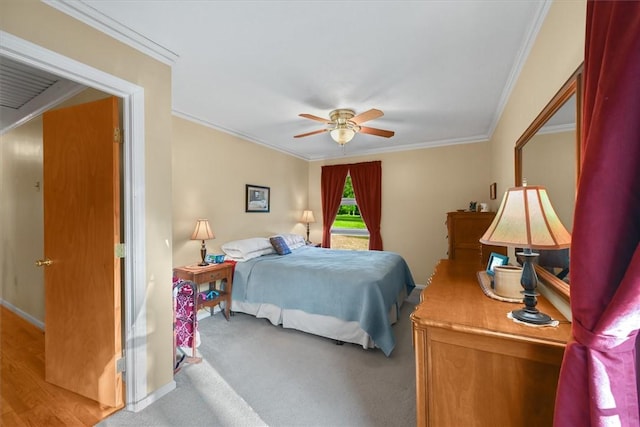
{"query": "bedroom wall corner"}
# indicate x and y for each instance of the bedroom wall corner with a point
(419, 187)
(210, 171)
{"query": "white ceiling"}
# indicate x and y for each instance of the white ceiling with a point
(440, 70)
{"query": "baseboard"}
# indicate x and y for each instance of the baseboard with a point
(153, 397)
(26, 316)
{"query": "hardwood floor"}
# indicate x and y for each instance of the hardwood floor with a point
(26, 399)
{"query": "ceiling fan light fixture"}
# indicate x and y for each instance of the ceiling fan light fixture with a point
(344, 124)
(342, 135)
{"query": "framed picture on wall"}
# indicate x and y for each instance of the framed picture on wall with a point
(257, 198)
(492, 191)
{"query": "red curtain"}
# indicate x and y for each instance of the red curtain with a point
(598, 383)
(367, 186)
(332, 185)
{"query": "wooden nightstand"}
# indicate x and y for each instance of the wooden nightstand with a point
(210, 274)
(196, 275)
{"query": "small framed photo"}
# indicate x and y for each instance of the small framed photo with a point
(492, 191)
(257, 198)
(495, 260)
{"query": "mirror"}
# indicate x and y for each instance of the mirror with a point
(548, 154)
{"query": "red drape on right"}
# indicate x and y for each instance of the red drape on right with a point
(598, 383)
(367, 186)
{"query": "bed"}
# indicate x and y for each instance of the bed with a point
(348, 296)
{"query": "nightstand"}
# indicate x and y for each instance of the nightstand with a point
(196, 275)
(210, 274)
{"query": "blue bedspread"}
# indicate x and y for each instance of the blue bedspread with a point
(357, 286)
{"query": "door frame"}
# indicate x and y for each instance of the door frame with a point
(135, 321)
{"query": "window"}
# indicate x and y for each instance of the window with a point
(349, 230)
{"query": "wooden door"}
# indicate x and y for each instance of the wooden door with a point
(81, 227)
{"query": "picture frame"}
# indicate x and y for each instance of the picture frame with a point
(496, 260)
(492, 191)
(257, 198)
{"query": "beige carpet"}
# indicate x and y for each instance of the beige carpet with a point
(291, 378)
(254, 374)
(202, 398)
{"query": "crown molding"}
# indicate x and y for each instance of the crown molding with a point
(523, 54)
(96, 19)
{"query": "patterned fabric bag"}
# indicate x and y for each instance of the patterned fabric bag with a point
(185, 313)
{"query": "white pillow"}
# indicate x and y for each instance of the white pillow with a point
(245, 249)
(294, 241)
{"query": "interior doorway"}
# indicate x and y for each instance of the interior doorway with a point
(132, 96)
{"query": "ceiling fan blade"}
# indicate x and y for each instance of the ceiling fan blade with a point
(311, 133)
(377, 132)
(316, 118)
(367, 115)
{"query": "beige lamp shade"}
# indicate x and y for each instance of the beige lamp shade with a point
(202, 231)
(307, 217)
(526, 219)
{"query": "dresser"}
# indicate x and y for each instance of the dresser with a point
(464, 232)
(476, 367)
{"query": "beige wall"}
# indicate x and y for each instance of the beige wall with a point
(549, 160)
(419, 187)
(210, 171)
(21, 219)
(38, 23)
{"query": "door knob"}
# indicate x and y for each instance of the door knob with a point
(43, 262)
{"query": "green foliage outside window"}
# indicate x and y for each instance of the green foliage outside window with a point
(349, 215)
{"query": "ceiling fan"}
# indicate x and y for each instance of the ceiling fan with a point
(344, 124)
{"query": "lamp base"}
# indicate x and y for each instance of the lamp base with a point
(534, 317)
(529, 281)
(203, 255)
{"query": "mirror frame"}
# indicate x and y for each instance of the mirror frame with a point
(572, 86)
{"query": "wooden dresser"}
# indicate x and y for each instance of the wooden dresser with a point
(464, 232)
(476, 367)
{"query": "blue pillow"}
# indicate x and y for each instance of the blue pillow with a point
(280, 245)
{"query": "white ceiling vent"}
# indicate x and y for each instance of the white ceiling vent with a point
(20, 83)
(27, 91)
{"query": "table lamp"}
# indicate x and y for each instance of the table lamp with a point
(526, 219)
(307, 217)
(202, 232)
